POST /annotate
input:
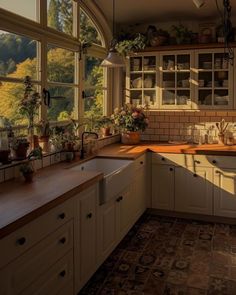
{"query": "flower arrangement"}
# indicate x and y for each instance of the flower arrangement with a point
(130, 118)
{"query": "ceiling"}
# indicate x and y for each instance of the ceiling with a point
(154, 11)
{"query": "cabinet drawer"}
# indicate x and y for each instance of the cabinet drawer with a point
(222, 161)
(140, 162)
(57, 280)
(170, 159)
(35, 262)
(25, 237)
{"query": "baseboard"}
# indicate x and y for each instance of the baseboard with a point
(209, 218)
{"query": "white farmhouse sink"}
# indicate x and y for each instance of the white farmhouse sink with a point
(117, 175)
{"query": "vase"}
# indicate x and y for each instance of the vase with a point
(130, 137)
(105, 131)
(221, 138)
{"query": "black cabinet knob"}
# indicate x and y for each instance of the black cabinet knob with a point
(63, 240)
(214, 161)
(21, 241)
(171, 169)
(163, 159)
(62, 215)
(89, 215)
(141, 162)
(194, 175)
(197, 162)
(120, 198)
(62, 273)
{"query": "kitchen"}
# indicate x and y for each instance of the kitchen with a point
(155, 217)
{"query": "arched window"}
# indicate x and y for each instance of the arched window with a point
(44, 39)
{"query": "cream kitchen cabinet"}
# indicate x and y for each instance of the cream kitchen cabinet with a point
(39, 253)
(194, 190)
(85, 234)
(163, 180)
(179, 186)
(181, 79)
(115, 218)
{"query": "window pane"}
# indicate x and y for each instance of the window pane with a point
(94, 91)
(62, 103)
(24, 8)
(88, 31)
(17, 56)
(60, 15)
(10, 96)
(60, 65)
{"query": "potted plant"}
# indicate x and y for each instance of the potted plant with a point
(19, 146)
(131, 43)
(29, 107)
(43, 129)
(182, 34)
(104, 123)
(130, 120)
(27, 168)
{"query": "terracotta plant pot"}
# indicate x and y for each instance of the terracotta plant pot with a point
(28, 177)
(130, 137)
(44, 143)
(21, 151)
(105, 131)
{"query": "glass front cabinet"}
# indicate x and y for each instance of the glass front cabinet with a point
(188, 79)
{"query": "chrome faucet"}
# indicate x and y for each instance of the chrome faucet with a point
(82, 152)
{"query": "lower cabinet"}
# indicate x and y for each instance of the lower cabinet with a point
(163, 181)
(85, 235)
(194, 190)
(225, 192)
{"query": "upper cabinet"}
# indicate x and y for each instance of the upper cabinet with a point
(180, 79)
(214, 80)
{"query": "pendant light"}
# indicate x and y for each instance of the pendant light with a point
(113, 59)
(199, 3)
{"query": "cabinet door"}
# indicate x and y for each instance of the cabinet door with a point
(125, 211)
(214, 77)
(106, 229)
(163, 187)
(85, 235)
(193, 190)
(139, 191)
(225, 192)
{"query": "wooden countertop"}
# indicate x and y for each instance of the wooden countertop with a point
(128, 151)
(20, 203)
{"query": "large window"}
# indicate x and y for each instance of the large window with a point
(18, 58)
(48, 52)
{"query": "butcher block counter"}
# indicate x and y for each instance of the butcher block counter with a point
(20, 202)
(128, 151)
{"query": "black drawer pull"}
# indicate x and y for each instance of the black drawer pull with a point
(118, 200)
(194, 175)
(197, 162)
(214, 161)
(89, 215)
(63, 240)
(62, 273)
(171, 169)
(62, 216)
(163, 159)
(141, 162)
(21, 241)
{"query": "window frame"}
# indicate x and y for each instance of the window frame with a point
(45, 35)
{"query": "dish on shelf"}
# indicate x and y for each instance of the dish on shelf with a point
(207, 65)
(137, 83)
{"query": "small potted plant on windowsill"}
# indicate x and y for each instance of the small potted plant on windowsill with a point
(43, 129)
(19, 146)
(27, 168)
(104, 124)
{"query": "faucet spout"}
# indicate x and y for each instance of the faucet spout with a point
(82, 152)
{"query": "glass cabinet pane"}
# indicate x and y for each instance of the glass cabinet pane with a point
(149, 81)
(168, 62)
(168, 97)
(183, 97)
(149, 63)
(149, 97)
(136, 81)
(135, 64)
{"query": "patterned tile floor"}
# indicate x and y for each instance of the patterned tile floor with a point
(170, 256)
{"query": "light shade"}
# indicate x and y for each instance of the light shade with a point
(113, 60)
(199, 3)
